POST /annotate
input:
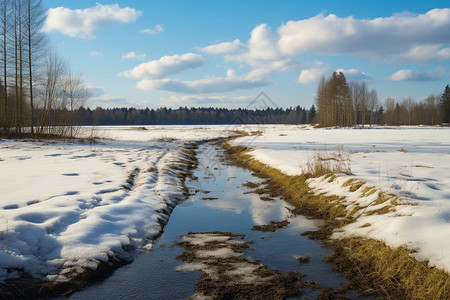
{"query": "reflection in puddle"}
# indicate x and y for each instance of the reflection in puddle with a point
(154, 276)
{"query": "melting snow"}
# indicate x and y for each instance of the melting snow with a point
(69, 206)
(412, 163)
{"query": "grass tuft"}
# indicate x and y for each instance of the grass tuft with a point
(325, 162)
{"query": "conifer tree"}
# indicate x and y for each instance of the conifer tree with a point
(445, 105)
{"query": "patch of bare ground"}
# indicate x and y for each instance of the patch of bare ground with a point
(272, 226)
(228, 274)
(373, 267)
(28, 287)
(209, 198)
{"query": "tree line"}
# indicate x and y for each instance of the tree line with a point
(350, 103)
(184, 115)
(35, 81)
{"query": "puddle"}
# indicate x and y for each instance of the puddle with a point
(160, 275)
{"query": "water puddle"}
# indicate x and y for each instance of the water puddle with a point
(222, 203)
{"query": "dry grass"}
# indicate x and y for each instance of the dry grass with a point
(392, 271)
(373, 267)
(325, 162)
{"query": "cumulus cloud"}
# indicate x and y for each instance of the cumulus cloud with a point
(224, 48)
(333, 35)
(410, 75)
(95, 54)
(166, 65)
(261, 47)
(422, 54)
(312, 72)
(374, 37)
(82, 22)
(231, 82)
(158, 28)
(133, 55)
(311, 75)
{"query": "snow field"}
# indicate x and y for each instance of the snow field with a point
(411, 163)
(67, 206)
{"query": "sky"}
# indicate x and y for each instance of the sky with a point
(196, 53)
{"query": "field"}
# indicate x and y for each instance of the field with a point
(67, 206)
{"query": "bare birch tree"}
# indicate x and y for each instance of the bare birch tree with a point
(36, 43)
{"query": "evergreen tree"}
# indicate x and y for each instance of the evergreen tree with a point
(445, 103)
(311, 114)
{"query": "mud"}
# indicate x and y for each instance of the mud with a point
(228, 274)
(272, 226)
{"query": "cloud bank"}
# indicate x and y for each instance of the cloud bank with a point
(166, 65)
(332, 35)
(81, 23)
(224, 48)
(231, 82)
(410, 75)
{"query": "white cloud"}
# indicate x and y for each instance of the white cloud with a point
(82, 22)
(410, 75)
(164, 66)
(262, 47)
(312, 75)
(133, 55)
(354, 74)
(224, 48)
(371, 37)
(255, 78)
(313, 71)
(333, 35)
(158, 28)
(422, 54)
(95, 54)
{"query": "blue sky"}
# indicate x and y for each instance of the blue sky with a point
(224, 53)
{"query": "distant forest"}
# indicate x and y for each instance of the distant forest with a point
(349, 103)
(184, 115)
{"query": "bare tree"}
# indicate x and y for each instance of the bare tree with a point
(4, 25)
(36, 42)
(360, 99)
(373, 104)
(408, 104)
(51, 89)
(75, 94)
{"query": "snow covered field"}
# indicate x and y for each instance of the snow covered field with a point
(410, 162)
(66, 206)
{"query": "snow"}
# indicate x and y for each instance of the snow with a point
(67, 206)
(412, 163)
